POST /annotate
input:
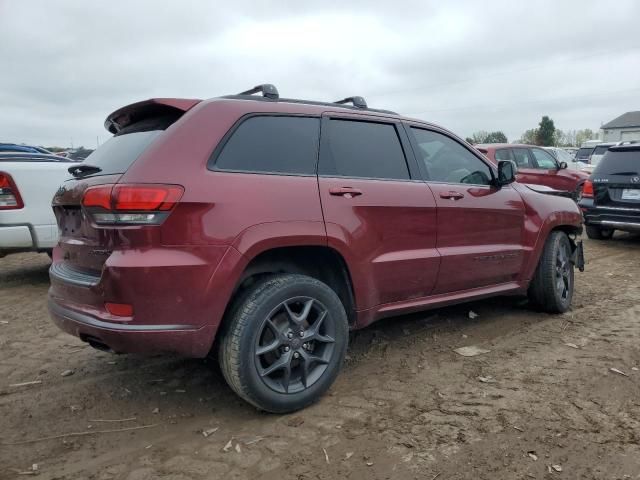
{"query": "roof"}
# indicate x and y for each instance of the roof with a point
(626, 120)
(495, 146)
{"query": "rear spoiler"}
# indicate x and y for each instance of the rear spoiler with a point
(135, 112)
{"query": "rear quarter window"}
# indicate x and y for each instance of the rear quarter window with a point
(272, 144)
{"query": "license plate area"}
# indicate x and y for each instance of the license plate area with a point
(70, 221)
(630, 194)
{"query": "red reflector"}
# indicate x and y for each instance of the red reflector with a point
(119, 309)
(146, 197)
(587, 189)
(99, 196)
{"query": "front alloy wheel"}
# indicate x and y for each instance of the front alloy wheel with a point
(551, 288)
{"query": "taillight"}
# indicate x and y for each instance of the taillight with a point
(9, 195)
(587, 189)
(143, 204)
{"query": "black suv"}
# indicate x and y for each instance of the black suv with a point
(611, 196)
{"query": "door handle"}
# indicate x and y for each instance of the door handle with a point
(452, 195)
(347, 192)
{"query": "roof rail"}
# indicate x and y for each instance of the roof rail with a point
(356, 101)
(268, 90)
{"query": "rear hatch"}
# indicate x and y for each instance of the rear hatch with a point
(84, 246)
(616, 179)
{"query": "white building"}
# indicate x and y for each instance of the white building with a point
(625, 127)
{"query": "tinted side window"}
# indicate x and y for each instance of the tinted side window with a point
(448, 161)
(544, 159)
(272, 144)
(504, 154)
(362, 149)
(521, 157)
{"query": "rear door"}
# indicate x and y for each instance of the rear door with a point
(378, 211)
(480, 226)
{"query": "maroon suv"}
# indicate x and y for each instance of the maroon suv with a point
(264, 229)
(538, 167)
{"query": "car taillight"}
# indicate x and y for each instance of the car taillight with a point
(587, 189)
(10, 198)
(143, 204)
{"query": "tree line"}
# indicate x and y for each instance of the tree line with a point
(546, 134)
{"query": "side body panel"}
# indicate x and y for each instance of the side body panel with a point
(37, 183)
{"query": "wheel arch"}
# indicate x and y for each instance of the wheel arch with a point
(317, 261)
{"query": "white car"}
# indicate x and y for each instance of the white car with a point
(28, 182)
(562, 155)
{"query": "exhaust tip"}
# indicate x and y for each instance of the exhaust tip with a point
(96, 343)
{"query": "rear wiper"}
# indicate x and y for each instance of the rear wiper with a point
(82, 170)
(624, 173)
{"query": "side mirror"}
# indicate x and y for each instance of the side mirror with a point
(562, 165)
(506, 172)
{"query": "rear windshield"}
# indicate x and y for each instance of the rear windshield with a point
(584, 152)
(600, 149)
(118, 153)
(614, 162)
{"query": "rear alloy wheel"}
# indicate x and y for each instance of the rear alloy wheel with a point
(597, 233)
(551, 289)
(285, 343)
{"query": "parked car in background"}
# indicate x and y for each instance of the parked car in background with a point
(597, 154)
(537, 166)
(571, 151)
(611, 197)
(28, 182)
(13, 147)
(562, 155)
(269, 238)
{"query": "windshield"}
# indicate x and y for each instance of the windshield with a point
(562, 155)
(584, 153)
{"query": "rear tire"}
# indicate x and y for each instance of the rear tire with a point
(284, 343)
(597, 233)
(551, 289)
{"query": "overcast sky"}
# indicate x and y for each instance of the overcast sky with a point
(467, 65)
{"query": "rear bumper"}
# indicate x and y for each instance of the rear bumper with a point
(186, 340)
(178, 297)
(15, 237)
(24, 237)
(619, 218)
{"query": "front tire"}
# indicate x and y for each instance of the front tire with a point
(551, 289)
(285, 342)
(597, 233)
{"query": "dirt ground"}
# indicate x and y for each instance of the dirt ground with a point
(543, 403)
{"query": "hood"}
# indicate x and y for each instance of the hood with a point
(548, 190)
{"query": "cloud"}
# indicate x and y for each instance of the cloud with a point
(467, 65)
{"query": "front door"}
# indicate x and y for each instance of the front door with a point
(378, 212)
(480, 226)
